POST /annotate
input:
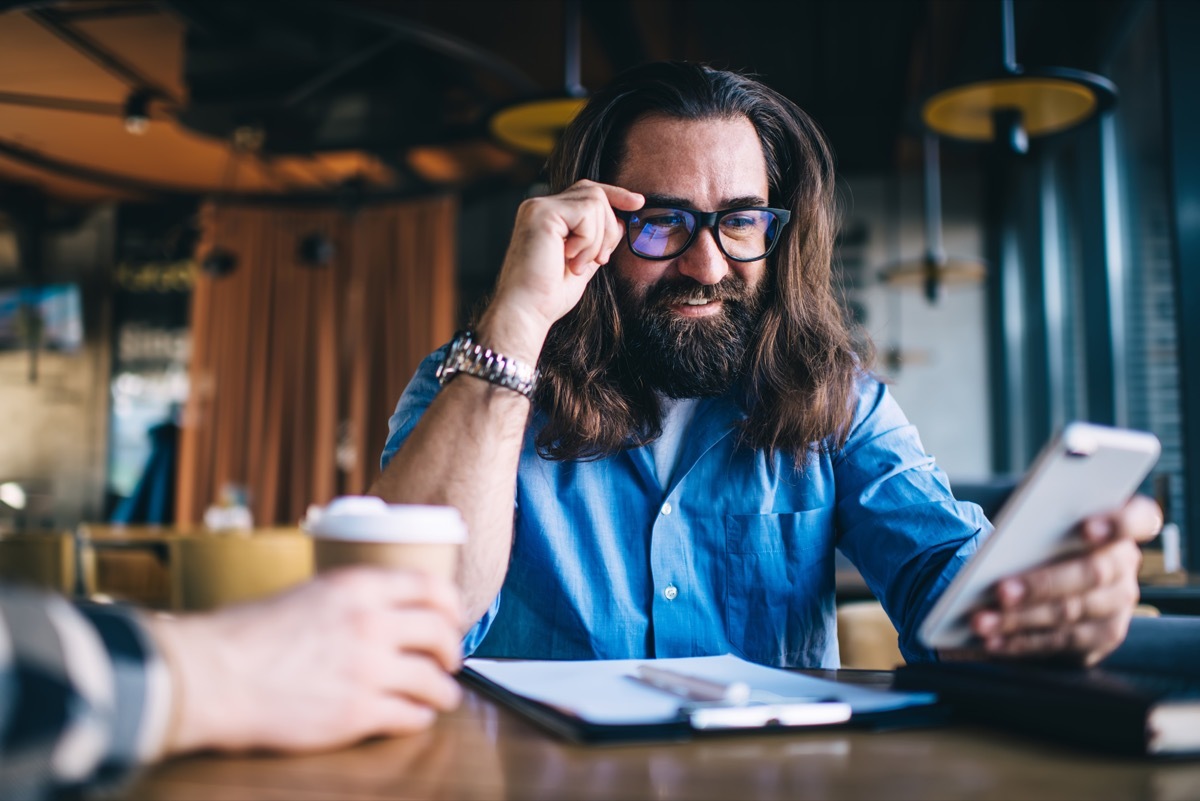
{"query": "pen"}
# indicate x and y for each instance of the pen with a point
(694, 688)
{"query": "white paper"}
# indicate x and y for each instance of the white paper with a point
(605, 692)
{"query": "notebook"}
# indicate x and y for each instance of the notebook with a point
(1139, 712)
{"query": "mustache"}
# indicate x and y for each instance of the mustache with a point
(732, 288)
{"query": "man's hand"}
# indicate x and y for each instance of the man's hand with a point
(558, 244)
(1078, 608)
(351, 654)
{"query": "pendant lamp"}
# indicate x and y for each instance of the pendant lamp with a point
(533, 126)
(220, 261)
(935, 269)
(894, 356)
(1018, 104)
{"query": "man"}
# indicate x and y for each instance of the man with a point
(703, 434)
(87, 692)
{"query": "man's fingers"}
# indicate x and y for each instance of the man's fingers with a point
(1076, 575)
(596, 231)
(621, 198)
(420, 679)
(427, 632)
(1099, 603)
(584, 241)
(410, 588)
(396, 715)
(1090, 640)
(1141, 519)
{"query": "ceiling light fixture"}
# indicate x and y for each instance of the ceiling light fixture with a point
(220, 261)
(1018, 104)
(316, 250)
(137, 111)
(533, 126)
(935, 269)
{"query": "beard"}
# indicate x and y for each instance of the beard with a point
(689, 357)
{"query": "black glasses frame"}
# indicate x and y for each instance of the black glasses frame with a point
(706, 219)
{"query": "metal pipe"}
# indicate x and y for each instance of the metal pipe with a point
(571, 49)
(934, 250)
(1010, 38)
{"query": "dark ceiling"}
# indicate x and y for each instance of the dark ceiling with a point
(385, 77)
(423, 70)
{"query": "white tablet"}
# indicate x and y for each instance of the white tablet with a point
(1086, 470)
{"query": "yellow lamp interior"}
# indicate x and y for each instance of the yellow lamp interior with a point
(1047, 105)
(534, 127)
(951, 271)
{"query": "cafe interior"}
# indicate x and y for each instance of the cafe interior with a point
(231, 230)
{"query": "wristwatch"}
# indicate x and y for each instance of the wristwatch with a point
(468, 356)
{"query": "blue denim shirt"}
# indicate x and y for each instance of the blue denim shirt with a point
(735, 555)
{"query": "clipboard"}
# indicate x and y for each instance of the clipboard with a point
(591, 702)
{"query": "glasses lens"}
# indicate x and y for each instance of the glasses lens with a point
(748, 234)
(660, 233)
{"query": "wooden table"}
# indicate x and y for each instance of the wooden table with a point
(484, 751)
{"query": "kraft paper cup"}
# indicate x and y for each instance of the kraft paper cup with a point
(358, 530)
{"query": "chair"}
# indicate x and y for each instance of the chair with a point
(990, 494)
(45, 559)
(867, 639)
(130, 563)
(213, 570)
(1156, 642)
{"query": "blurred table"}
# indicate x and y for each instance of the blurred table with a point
(484, 751)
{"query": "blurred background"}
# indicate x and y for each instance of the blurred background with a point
(230, 230)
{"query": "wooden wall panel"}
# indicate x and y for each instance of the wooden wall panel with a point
(286, 355)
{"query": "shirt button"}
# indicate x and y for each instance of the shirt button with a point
(671, 592)
(666, 508)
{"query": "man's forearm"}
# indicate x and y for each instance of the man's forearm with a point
(465, 449)
(464, 453)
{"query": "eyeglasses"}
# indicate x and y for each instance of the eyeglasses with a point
(745, 234)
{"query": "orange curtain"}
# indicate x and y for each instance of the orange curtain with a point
(295, 369)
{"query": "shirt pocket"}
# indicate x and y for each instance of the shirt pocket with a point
(779, 603)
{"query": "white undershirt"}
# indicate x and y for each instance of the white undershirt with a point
(677, 415)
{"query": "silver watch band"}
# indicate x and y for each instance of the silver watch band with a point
(468, 356)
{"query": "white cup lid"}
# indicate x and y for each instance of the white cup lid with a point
(369, 519)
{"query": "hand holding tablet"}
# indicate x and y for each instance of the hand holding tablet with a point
(1070, 585)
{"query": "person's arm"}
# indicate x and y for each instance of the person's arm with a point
(354, 653)
(465, 448)
(1080, 607)
(93, 689)
(909, 537)
(897, 518)
(81, 690)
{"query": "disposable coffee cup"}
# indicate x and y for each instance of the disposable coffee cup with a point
(364, 530)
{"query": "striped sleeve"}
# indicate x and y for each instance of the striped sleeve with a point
(82, 691)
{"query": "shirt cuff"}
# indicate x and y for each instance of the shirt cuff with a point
(142, 681)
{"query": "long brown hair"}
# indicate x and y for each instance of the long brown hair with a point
(798, 381)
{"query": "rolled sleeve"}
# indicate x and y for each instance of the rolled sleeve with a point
(898, 520)
(413, 402)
